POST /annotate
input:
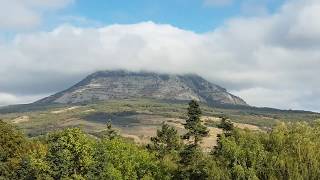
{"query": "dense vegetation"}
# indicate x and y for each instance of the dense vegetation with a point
(288, 151)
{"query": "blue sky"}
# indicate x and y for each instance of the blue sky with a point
(195, 15)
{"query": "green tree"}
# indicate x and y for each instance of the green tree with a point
(193, 123)
(118, 159)
(243, 154)
(34, 164)
(226, 125)
(294, 151)
(13, 147)
(288, 151)
(70, 153)
(197, 165)
(166, 145)
(191, 156)
(166, 142)
(109, 133)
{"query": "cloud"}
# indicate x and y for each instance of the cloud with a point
(217, 2)
(271, 97)
(270, 60)
(26, 14)
(7, 99)
(249, 8)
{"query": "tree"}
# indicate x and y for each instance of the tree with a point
(243, 154)
(34, 164)
(197, 165)
(70, 153)
(118, 159)
(109, 133)
(192, 162)
(193, 123)
(166, 145)
(13, 147)
(294, 151)
(226, 125)
(166, 142)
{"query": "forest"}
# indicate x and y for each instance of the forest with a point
(287, 151)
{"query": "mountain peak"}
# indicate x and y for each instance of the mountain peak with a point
(121, 84)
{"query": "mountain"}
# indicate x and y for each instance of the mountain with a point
(113, 85)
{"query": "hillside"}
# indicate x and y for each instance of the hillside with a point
(117, 85)
(138, 118)
(137, 104)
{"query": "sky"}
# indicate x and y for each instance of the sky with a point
(265, 51)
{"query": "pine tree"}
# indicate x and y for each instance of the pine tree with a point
(193, 123)
(109, 133)
(167, 141)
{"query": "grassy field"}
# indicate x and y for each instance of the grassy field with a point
(139, 118)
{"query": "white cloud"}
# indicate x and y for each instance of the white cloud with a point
(7, 99)
(26, 14)
(271, 97)
(272, 60)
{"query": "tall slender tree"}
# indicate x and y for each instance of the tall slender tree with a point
(196, 130)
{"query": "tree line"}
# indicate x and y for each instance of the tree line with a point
(288, 151)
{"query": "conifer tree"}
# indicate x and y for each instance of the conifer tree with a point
(196, 130)
(167, 141)
(109, 133)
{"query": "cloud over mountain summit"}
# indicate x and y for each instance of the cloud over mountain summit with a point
(270, 60)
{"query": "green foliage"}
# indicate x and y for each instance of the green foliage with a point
(118, 159)
(70, 153)
(193, 123)
(191, 164)
(13, 147)
(288, 151)
(226, 125)
(166, 145)
(294, 151)
(109, 132)
(34, 164)
(242, 153)
(191, 157)
(166, 142)
(196, 165)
